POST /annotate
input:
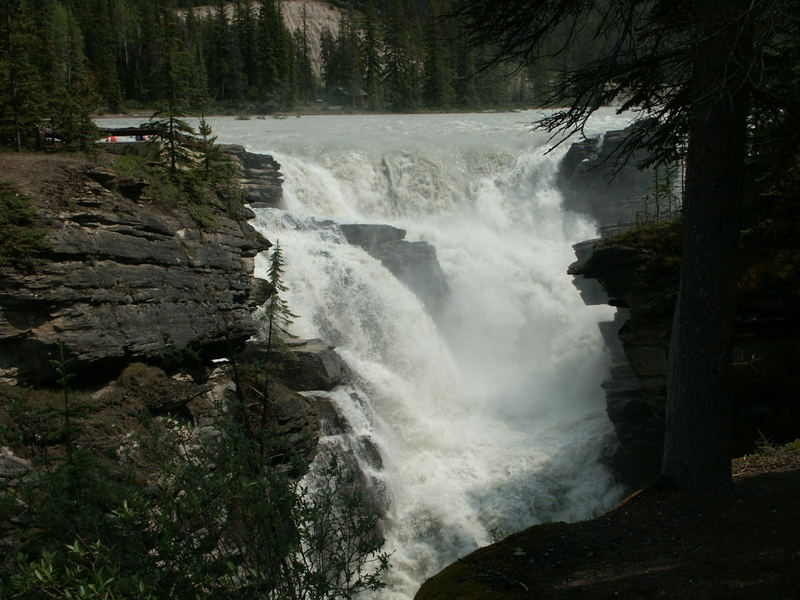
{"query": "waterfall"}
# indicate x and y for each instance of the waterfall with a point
(489, 417)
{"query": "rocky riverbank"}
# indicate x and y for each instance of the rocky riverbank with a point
(132, 294)
(635, 267)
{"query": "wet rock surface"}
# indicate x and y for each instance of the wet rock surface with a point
(593, 182)
(308, 364)
(260, 177)
(413, 263)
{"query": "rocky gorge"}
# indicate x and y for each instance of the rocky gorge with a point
(193, 273)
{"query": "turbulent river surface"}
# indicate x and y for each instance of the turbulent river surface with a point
(490, 417)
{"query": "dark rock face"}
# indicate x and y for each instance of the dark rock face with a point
(413, 263)
(123, 281)
(765, 358)
(312, 365)
(638, 283)
(371, 237)
(590, 186)
(261, 177)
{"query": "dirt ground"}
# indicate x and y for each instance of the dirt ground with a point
(740, 543)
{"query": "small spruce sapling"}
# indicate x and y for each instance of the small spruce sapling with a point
(277, 317)
(63, 367)
(277, 312)
(173, 132)
(210, 152)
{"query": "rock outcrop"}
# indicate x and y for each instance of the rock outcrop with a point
(592, 182)
(261, 178)
(310, 364)
(641, 284)
(124, 283)
(413, 263)
(123, 280)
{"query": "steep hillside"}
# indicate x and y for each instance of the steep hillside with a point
(319, 16)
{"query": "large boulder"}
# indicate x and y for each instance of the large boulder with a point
(413, 263)
(594, 182)
(310, 364)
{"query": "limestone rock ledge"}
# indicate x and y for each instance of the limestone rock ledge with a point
(765, 357)
(123, 280)
(641, 284)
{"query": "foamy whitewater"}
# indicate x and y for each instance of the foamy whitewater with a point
(491, 418)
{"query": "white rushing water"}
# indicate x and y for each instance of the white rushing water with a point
(491, 418)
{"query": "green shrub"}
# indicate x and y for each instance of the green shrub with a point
(214, 521)
(661, 237)
(22, 236)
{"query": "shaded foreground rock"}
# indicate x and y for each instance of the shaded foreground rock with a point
(642, 286)
(733, 544)
(642, 283)
(413, 263)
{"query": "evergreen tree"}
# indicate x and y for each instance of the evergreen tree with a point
(342, 68)
(22, 95)
(218, 52)
(305, 74)
(101, 50)
(198, 96)
(438, 70)
(210, 153)
(73, 97)
(400, 67)
(371, 52)
(171, 134)
(277, 57)
(244, 41)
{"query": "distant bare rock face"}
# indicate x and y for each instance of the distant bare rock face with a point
(123, 280)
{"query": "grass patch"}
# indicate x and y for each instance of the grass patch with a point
(187, 189)
(661, 237)
(769, 457)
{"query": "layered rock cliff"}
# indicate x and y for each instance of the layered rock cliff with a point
(636, 270)
(122, 279)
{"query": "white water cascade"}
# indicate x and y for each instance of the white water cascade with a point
(490, 418)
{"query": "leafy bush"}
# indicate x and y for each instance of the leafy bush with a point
(22, 236)
(214, 521)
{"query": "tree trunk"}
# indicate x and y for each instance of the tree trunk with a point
(699, 398)
(13, 77)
